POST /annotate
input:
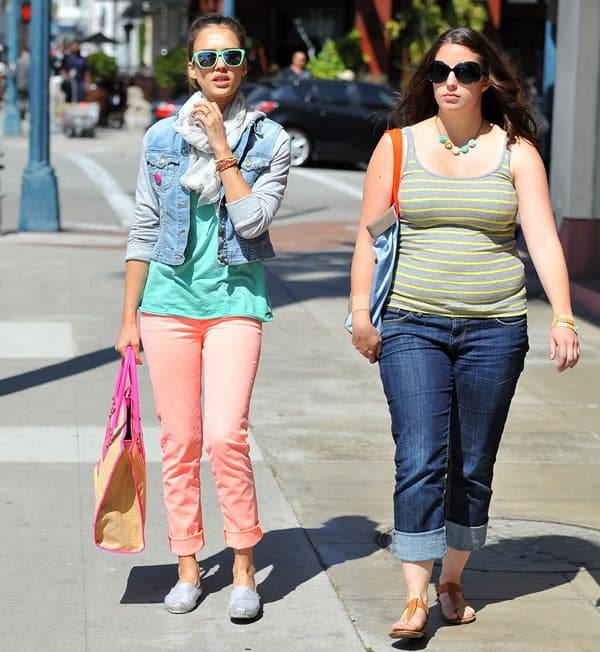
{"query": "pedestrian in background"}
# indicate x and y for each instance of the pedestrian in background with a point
(74, 70)
(297, 67)
(210, 182)
(454, 334)
(22, 81)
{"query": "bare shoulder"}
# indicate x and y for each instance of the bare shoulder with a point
(524, 156)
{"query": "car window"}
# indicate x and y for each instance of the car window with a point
(376, 97)
(289, 92)
(332, 92)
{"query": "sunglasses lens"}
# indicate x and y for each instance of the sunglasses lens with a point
(438, 72)
(205, 58)
(468, 72)
(233, 58)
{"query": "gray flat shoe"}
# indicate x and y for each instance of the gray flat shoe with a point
(182, 598)
(243, 603)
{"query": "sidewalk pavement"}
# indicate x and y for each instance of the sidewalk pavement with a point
(322, 454)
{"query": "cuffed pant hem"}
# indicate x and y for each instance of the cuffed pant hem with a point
(188, 545)
(465, 537)
(419, 546)
(245, 539)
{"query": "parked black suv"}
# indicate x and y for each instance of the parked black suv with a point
(333, 121)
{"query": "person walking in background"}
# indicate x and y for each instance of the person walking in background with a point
(297, 67)
(454, 334)
(210, 182)
(22, 81)
(74, 71)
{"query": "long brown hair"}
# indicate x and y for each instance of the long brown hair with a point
(212, 20)
(505, 102)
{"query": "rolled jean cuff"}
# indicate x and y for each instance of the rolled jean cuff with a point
(245, 539)
(465, 537)
(187, 545)
(419, 546)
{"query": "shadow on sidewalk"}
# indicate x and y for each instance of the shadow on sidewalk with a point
(519, 567)
(283, 551)
(57, 371)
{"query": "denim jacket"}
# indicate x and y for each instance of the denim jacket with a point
(161, 218)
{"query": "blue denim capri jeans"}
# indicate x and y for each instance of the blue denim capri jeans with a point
(449, 383)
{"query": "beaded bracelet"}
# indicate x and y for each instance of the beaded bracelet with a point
(226, 164)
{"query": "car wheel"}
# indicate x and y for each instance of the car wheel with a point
(301, 147)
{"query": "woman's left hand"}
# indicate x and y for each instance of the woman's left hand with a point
(564, 347)
(209, 115)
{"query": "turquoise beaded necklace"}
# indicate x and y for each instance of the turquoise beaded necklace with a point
(456, 150)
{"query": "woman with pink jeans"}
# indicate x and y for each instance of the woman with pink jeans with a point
(210, 182)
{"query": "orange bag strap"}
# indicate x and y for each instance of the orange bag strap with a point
(396, 135)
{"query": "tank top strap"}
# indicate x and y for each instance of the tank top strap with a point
(410, 155)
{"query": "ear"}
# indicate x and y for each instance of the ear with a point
(192, 71)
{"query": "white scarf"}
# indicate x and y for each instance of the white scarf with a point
(201, 175)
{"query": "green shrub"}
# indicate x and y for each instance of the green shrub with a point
(339, 54)
(170, 69)
(103, 69)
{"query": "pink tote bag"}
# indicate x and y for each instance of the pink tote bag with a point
(120, 473)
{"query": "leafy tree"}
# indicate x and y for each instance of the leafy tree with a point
(414, 29)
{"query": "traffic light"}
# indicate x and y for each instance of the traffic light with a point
(26, 12)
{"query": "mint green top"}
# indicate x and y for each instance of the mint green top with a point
(202, 288)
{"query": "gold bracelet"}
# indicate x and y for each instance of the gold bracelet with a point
(360, 302)
(565, 324)
(226, 158)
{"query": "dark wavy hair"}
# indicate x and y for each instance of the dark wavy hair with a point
(212, 20)
(505, 102)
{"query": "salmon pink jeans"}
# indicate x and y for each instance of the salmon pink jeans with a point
(224, 353)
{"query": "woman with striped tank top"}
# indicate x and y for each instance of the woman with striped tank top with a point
(454, 334)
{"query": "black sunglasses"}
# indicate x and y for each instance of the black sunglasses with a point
(467, 72)
(232, 57)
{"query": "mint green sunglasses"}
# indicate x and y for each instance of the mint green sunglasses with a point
(232, 57)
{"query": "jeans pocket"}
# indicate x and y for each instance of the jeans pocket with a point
(395, 315)
(518, 320)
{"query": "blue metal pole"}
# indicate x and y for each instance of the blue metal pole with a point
(228, 7)
(12, 116)
(39, 192)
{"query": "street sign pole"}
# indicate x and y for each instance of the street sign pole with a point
(228, 7)
(12, 116)
(39, 192)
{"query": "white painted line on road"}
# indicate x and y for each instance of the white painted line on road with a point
(119, 200)
(32, 340)
(336, 184)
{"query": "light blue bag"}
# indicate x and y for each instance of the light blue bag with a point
(384, 231)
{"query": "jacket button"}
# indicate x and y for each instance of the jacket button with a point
(221, 231)
(221, 259)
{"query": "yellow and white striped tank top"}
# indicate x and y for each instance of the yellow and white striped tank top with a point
(457, 250)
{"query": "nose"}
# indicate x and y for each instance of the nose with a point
(451, 79)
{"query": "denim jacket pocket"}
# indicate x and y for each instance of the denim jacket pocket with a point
(162, 169)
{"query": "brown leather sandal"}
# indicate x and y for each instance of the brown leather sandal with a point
(412, 606)
(454, 591)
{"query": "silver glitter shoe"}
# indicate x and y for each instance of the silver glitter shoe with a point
(243, 603)
(183, 597)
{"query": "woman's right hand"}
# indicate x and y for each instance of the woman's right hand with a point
(129, 335)
(365, 337)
